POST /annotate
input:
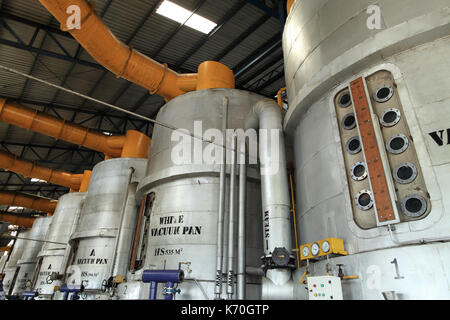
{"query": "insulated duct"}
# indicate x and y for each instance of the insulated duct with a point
(18, 221)
(98, 40)
(28, 201)
(132, 145)
(266, 116)
(76, 182)
(289, 5)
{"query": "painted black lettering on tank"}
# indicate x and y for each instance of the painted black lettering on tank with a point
(438, 137)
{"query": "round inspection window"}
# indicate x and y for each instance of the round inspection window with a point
(353, 145)
(397, 144)
(384, 94)
(405, 173)
(390, 117)
(358, 171)
(414, 205)
(349, 121)
(364, 200)
(344, 99)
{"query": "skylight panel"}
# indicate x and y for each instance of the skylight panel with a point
(181, 15)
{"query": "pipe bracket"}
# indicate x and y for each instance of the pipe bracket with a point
(126, 62)
(162, 79)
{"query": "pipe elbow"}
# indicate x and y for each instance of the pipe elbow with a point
(263, 109)
(136, 145)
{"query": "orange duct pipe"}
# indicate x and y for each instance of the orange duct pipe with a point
(289, 5)
(97, 39)
(28, 201)
(280, 97)
(29, 169)
(133, 145)
(18, 221)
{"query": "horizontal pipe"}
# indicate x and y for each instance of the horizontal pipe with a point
(132, 145)
(29, 169)
(28, 201)
(18, 221)
(175, 276)
(98, 40)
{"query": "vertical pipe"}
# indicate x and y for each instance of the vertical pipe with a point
(266, 116)
(241, 279)
(219, 249)
(169, 285)
(122, 215)
(137, 232)
(231, 221)
(294, 219)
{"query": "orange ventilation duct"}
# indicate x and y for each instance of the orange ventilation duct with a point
(28, 201)
(98, 40)
(289, 5)
(133, 145)
(76, 182)
(18, 221)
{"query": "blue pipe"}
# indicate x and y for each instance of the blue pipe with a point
(175, 276)
(170, 277)
(29, 295)
(169, 291)
(153, 290)
(75, 289)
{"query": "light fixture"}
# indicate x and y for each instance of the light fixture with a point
(16, 208)
(179, 14)
(37, 180)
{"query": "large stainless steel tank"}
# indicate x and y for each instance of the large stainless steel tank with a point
(110, 197)
(55, 252)
(27, 263)
(11, 267)
(184, 198)
(405, 75)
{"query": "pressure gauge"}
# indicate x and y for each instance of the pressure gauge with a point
(315, 249)
(325, 246)
(305, 251)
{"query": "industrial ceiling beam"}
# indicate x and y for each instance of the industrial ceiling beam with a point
(258, 55)
(227, 17)
(273, 79)
(262, 6)
(241, 38)
(50, 54)
(263, 68)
